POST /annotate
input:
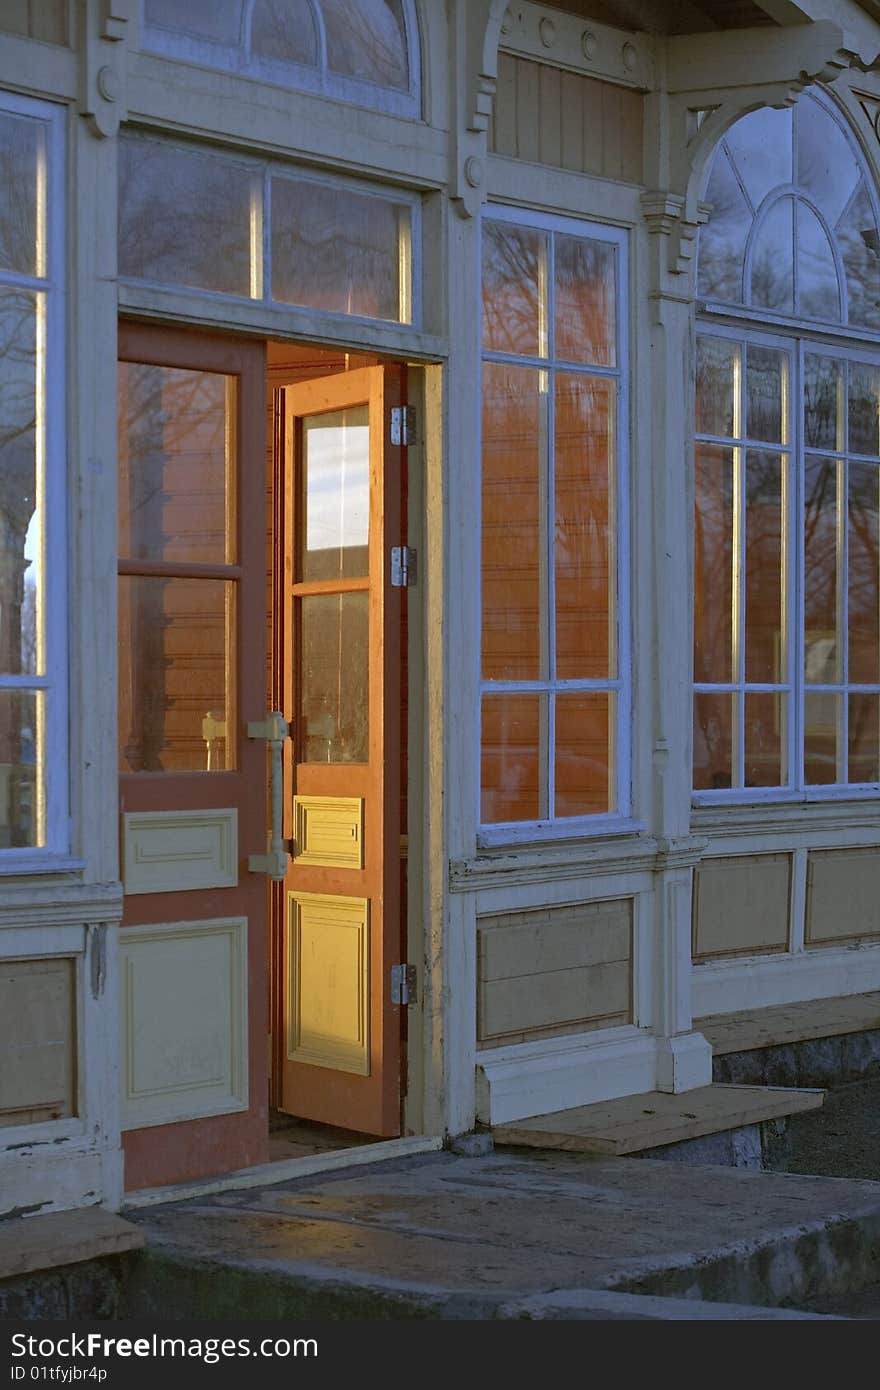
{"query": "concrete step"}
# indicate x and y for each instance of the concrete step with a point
(635, 1124)
(31, 1243)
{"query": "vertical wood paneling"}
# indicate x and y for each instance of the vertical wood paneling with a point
(566, 120)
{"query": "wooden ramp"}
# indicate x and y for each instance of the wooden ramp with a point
(635, 1123)
(790, 1023)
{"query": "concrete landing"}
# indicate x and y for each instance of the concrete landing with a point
(636, 1123)
(31, 1243)
(512, 1235)
(790, 1023)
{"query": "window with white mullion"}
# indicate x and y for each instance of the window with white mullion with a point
(551, 690)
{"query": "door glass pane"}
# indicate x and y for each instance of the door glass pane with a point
(718, 378)
(863, 595)
(823, 402)
(334, 678)
(821, 541)
(764, 540)
(585, 771)
(21, 513)
(335, 502)
(713, 564)
(513, 733)
(766, 394)
(864, 738)
(188, 217)
(338, 250)
(713, 740)
(177, 451)
(821, 722)
(21, 718)
(585, 529)
(514, 408)
(514, 289)
(772, 260)
(817, 285)
(176, 675)
(584, 305)
(864, 408)
(764, 739)
(22, 171)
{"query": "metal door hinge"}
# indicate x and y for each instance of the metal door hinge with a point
(403, 425)
(403, 984)
(403, 567)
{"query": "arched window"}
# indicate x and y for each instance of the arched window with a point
(365, 51)
(787, 464)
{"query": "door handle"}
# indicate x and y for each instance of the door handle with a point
(274, 729)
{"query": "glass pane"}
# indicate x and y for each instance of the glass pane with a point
(821, 720)
(864, 408)
(863, 559)
(514, 289)
(177, 453)
(187, 217)
(584, 551)
(818, 290)
(823, 402)
(821, 647)
(514, 411)
(367, 39)
(723, 239)
(718, 378)
(772, 277)
(766, 395)
(713, 741)
(22, 171)
(765, 539)
(284, 31)
(864, 738)
(585, 771)
(761, 146)
(198, 19)
(176, 675)
(21, 521)
(826, 166)
(713, 564)
(510, 779)
(765, 740)
(585, 301)
(335, 678)
(21, 718)
(859, 244)
(335, 499)
(342, 251)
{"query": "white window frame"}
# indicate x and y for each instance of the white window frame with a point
(53, 794)
(615, 822)
(263, 172)
(804, 336)
(294, 76)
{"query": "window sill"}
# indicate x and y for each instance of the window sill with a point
(19, 865)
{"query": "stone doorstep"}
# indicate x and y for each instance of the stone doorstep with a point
(635, 1123)
(30, 1243)
(790, 1023)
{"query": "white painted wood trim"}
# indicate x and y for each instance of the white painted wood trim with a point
(733, 986)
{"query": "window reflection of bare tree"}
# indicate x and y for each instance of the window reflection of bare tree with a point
(366, 39)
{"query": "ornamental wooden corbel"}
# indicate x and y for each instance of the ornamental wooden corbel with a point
(105, 31)
(475, 32)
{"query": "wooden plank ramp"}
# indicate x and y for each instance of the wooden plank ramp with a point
(635, 1123)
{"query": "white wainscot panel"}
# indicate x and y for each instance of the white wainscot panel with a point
(184, 1021)
(172, 851)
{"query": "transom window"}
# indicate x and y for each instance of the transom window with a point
(364, 51)
(33, 578)
(555, 694)
(787, 467)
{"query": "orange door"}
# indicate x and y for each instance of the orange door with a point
(192, 658)
(341, 1048)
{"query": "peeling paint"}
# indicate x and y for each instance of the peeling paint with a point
(98, 958)
(15, 1212)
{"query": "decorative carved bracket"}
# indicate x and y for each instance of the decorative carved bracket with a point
(475, 32)
(104, 32)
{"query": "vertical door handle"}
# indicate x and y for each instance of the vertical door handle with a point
(274, 729)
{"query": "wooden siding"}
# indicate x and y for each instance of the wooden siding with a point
(547, 116)
(843, 902)
(35, 19)
(553, 971)
(741, 905)
(37, 1041)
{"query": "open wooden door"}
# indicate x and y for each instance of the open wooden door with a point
(341, 1049)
